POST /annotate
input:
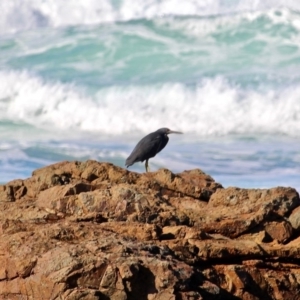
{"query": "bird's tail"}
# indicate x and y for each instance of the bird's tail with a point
(128, 162)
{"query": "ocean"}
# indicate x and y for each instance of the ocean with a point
(88, 79)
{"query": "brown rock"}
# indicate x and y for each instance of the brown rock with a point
(194, 183)
(6, 193)
(233, 211)
(280, 231)
(183, 232)
(294, 218)
(90, 230)
(262, 237)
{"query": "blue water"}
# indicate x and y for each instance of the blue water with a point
(88, 79)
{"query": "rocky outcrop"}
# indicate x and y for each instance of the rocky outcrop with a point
(90, 230)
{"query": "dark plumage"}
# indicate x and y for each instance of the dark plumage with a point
(149, 146)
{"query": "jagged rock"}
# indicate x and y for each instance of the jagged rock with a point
(295, 219)
(280, 231)
(234, 211)
(90, 230)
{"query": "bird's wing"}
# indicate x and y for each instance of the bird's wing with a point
(145, 149)
(151, 146)
(162, 144)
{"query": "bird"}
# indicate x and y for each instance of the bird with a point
(149, 146)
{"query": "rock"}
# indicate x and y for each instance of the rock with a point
(90, 230)
(12, 191)
(183, 232)
(234, 211)
(194, 183)
(295, 218)
(6, 193)
(262, 237)
(280, 231)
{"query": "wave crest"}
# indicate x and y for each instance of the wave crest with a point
(213, 107)
(29, 14)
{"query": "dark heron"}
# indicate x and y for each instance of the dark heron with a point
(149, 146)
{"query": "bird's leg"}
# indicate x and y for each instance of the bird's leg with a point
(147, 166)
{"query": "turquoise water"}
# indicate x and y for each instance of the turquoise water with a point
(88, 80)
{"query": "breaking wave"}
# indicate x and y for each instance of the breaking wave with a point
(29, 14)
(213, 107)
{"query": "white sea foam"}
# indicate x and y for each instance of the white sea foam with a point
(199, 27)
(212, 108)
(28, 14)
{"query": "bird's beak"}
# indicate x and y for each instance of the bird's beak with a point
(172, 131)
